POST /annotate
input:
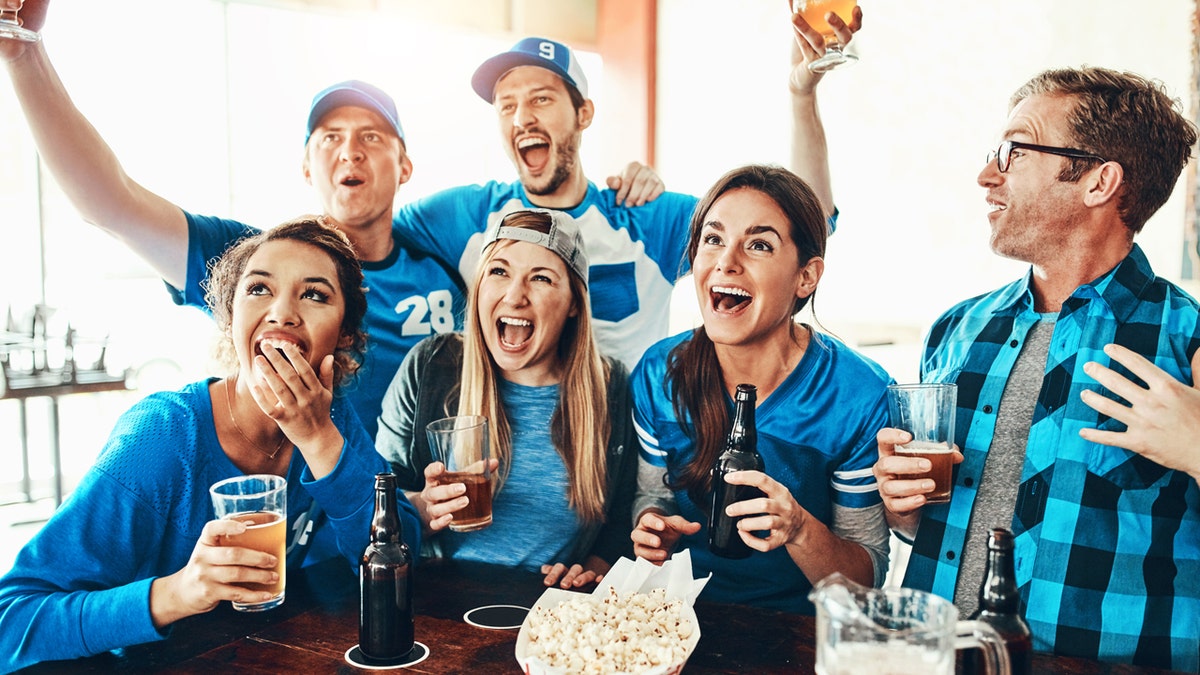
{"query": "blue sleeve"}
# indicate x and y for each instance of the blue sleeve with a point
(89, 599)
(208, 238)
(442, 224)
(347, 493)
(853, 480)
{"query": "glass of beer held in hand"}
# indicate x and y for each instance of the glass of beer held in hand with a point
(461, 443)
(14, 28)
(814, 12)
(927, 412)
(259, 501)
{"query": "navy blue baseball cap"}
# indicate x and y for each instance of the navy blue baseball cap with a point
(356, 93)
(533, 51)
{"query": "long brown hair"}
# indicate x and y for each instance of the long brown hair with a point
(697, 384)
(579, 428)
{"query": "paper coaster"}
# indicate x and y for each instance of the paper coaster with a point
(497, 617)
(355, 657)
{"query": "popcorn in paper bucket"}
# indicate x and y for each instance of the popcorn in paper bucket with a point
(638, 620)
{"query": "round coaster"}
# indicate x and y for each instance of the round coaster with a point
(355, 657)
(497, 617)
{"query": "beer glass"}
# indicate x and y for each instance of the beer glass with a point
(11, 29)
(461, 443)
(814, 12)
(927, 412)
(259, 501)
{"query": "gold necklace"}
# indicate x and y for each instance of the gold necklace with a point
(229, 407)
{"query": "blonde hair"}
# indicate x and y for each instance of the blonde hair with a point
(580, 427)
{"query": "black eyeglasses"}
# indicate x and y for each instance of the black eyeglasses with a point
(1003, 153)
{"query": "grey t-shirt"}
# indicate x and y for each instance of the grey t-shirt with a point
(997, 495)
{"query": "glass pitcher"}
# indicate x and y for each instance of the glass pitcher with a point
(894, 631)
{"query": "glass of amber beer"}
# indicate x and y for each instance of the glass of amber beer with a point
(11, 28)
(259, 501)
(927, 412)
(814, 13)
(461, 443)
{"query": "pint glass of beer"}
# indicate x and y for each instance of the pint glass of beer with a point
(461, 443)
(927, 412)
(259, 501)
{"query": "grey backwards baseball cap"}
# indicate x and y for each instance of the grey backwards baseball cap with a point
(563, 238)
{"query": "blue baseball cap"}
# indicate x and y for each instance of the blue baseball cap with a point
(533, 51)
(356, 93)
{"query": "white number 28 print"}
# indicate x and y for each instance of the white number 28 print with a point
(429, 314)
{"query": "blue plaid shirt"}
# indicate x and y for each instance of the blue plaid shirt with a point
(1107, 542)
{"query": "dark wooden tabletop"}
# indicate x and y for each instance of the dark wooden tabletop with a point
(318, 622)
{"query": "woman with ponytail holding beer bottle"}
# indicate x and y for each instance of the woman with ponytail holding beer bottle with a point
(135, 547)
(755, 249)
(559, 412)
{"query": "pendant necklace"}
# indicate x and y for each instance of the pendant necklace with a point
(229, 407)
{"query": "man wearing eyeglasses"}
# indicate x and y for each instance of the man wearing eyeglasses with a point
(1107, 530)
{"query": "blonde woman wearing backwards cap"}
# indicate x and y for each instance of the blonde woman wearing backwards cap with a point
(528, 363)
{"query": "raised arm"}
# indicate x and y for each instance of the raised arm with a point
(88, 171)
(810, 153)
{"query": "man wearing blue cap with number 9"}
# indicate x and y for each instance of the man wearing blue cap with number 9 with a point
(540, 95)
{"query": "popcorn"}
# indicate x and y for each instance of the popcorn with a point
(623, 632)
(639, 620)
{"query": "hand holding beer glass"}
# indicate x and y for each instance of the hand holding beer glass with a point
(814, 12)
(10, 25)
(927, 412)
(461, 443)
(259, 501)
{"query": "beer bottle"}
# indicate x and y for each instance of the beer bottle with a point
(385, 618)
(740, 454)
(1000, 605)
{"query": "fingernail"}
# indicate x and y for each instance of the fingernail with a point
(929, 485)
(926, 465)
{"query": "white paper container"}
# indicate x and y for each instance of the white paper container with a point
(627, 575)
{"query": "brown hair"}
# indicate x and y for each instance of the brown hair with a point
(697, 384)
(1127, 119)
(222, 285)
(580, 426)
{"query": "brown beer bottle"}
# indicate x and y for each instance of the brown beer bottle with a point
(385, 583)
(1000, 606)
(740, 454)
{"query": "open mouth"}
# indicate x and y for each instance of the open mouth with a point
(276, 344)
(728, 298)
(352, 182)
(514, 332)
(535, 152)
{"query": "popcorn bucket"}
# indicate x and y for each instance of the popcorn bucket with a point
(640, 619)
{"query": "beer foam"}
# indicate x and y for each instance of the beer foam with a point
(925, 448)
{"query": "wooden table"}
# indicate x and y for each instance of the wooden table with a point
(318, 622)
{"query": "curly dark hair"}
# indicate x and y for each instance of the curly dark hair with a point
(225, 271)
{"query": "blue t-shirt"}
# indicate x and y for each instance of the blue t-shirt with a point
(532, 523)
(138, 513)
(410, 296)
(634, 253)
(816, 434)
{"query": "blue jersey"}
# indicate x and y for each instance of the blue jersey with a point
(635, 253)
(138, 513)
(410, 296)
(816, 434)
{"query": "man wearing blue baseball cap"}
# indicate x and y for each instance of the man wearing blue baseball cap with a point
(355, 160)
(540, 95)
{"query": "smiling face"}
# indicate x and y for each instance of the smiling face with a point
(288, 292)
(355, 162)
(747, 270)
(541, 130)
(524, 299)
(1032, 213)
